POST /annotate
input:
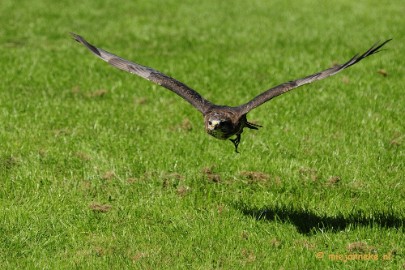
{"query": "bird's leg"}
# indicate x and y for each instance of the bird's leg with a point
(236, 142)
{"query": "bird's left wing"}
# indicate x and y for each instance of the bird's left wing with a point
(285, 87)
(150, 74)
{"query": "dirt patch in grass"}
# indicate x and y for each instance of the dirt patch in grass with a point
(345, 80)
(9, 162)
(138, 256)
(255, 176)
(209, 173)
(97, 93)
(183, 190)
(174, 181)
(108, 175)
(62, 132)
(396, 139)
(245, 235)
(220, 208)
(131, 180)
(360, 247)
(185, 125)
(77, 91)
(382, 72)
(275, 243)
(100, 208)
(141, 101)
(332, 181)
(248, 255)
(83, 156)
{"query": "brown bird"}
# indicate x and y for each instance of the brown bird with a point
(221, 122)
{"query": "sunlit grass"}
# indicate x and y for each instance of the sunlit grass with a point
(101, 169)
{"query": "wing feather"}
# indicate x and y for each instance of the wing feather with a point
(192, 96)
(285, 87)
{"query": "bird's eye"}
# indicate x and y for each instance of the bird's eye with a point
(209, 123)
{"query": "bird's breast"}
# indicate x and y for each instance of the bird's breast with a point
(219, 134)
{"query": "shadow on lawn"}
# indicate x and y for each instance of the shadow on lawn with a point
(308, 222)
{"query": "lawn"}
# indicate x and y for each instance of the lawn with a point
(100, 169)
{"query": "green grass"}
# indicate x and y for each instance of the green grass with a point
(103, 170)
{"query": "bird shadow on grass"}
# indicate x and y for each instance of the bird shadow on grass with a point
(308, 222)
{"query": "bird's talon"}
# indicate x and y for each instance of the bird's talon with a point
(236, 142)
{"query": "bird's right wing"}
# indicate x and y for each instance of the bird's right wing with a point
(150, 74)
(285, 87)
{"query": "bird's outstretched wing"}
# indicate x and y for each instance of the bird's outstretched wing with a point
(285, 87)
(150, 74)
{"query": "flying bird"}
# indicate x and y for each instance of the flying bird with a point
(221, 122)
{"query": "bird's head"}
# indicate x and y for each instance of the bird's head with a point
(219, 126)
(213, 124)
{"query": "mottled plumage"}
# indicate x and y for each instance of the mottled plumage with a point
(221, 122)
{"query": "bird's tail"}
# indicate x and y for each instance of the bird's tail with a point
(253, 126)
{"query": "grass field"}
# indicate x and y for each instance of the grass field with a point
(100, 169)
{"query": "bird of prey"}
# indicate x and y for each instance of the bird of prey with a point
(221, 122)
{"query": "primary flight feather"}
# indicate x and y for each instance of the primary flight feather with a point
(222, 122)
